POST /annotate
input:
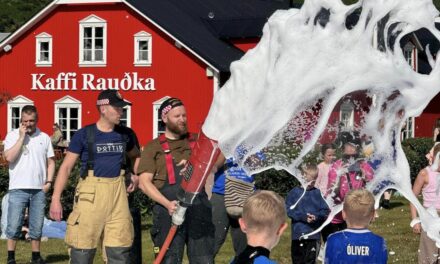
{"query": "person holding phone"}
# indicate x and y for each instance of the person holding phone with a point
(31, 160)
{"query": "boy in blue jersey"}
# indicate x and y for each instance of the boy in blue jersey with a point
(356, 244)
(307, 215)
(263, 221)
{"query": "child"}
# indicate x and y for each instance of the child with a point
(328, 152)
(427, 184)
(356, 244)
(307, 215)
(263, 221)
(349, 173)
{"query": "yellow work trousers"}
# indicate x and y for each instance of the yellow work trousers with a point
(100, 211)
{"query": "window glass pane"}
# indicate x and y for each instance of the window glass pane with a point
(15, 123)
(62, 112)
(98, 55)
(44, 46)
(143, 55)
(73, 123)
(143, 45)
(87, 55)
(87, 43)
(73, 112)
(98, 43)
(99, 32)
(44, 56)
(15, 112)
(87, 32)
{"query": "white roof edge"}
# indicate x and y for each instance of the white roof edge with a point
(416, 39)
(28, 24)
(88, 1)
(171, 36)
(53, 4)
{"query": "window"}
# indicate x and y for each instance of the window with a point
(43, 52)
(347, 116)
(408, 53)
(408, 129)
(14, 111)
(142, 49)
(126, 116)
(68, 116)
(93, 41)
(158, 125)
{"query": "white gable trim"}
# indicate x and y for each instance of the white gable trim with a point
(20, 99)
(93, 19)
(67, 100)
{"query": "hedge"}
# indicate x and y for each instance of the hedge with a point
(278, 181)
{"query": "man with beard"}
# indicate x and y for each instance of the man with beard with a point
(159, 168)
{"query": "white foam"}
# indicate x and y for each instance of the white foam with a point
(282, 93)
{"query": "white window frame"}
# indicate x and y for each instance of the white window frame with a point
(156, 120)
(142, 36)
(19, 102)
(128, 108)
(408, 52)
(408, 128)
(40, 38)
(94, 22)
(68, 102)
(347, 107)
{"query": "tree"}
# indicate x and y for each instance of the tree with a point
(14, 13)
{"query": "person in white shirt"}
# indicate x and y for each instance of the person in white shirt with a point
(31, 169)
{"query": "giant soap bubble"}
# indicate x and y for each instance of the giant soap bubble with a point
(282, 96)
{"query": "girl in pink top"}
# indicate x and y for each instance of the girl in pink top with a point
(328, 152)
(427, 183)
(347, 174)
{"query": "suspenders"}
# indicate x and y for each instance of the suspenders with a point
(91, 134)
(169, 158)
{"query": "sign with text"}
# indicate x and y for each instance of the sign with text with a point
(67, 81)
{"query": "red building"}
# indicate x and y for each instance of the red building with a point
(147, 49)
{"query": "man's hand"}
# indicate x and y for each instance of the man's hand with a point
(46, 187)
(172, 207)
(311, 218)
(22, 131)
(56, 210)
(183, 163)
(133, 184)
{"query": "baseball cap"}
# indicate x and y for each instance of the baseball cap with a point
(111, 97)
(169, 104)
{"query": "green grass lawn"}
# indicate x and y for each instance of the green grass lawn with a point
(392, 224)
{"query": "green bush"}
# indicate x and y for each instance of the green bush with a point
(415, 150)
(279, 181)
(137, 199)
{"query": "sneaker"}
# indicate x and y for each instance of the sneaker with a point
(39, 260)
(11, 261)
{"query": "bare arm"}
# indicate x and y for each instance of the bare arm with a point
(56, 209)
(147, 186)
(421, 180)
(12, 154)
(50, 174)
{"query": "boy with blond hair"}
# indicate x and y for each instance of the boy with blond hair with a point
(356, 244)
(263, 221)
